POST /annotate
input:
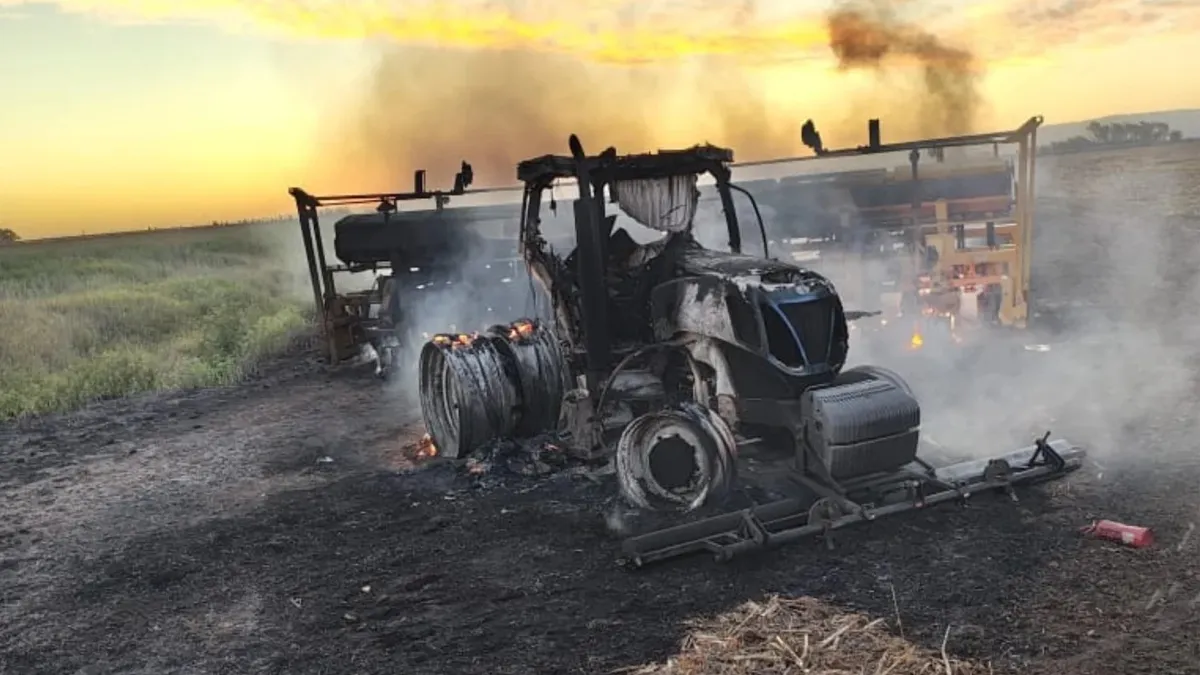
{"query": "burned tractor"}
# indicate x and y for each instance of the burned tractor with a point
(413, 258)
(674, 362)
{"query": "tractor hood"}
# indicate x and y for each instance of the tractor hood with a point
(746, 271)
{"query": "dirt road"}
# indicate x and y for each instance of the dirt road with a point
(266, 528)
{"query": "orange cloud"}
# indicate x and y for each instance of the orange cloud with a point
(616, 31)
(640, 31)
(493, 81)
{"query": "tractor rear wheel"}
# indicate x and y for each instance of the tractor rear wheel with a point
(507, 382)
(468, 398)
(540, 372)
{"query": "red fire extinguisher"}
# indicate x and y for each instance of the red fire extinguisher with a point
(1129, 535)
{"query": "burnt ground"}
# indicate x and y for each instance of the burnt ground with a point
(271, 528)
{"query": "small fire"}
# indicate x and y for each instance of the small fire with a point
(520, 329)
(426, 449)
(917, 341)
(453, 341)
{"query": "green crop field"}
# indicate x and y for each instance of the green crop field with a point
(94, 318)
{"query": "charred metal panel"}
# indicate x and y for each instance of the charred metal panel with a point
(769, 308)
(663, 163)
(747, 271)
(708, 306)
(695, 259)
(755, 377)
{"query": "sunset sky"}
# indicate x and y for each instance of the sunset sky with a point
(123, 115)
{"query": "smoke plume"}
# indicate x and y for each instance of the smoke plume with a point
(867, 35)
(432, 109)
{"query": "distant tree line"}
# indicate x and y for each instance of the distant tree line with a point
(252, 221)
(326, 215)
(1101, 135)
(10, 236)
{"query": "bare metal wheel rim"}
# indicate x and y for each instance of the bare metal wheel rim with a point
(712, 452)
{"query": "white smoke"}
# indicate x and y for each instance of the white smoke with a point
(488, 289)
(1114, 236)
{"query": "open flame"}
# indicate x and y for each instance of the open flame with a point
(917, 341)
(517, 330)
(520, 329)
(425, 448)
(454, 341)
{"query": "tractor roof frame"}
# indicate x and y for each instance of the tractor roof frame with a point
(1022, 134)
(661, 164)
(539, 173)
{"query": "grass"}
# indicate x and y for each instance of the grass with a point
(91, 319)
(794, 635)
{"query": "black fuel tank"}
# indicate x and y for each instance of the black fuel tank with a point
(425, 238)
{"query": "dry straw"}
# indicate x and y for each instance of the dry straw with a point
(802, 635)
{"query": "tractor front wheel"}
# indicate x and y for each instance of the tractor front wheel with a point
(676, 459)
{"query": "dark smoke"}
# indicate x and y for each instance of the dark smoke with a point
(868, 36)
(432, 109)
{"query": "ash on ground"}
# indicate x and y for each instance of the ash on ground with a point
(541, 455)
(507, 463)
(502, 460)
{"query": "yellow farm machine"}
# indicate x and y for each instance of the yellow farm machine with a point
(939, 242)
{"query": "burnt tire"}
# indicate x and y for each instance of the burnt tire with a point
(468, 396)
(676, 459)
(540, 371)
